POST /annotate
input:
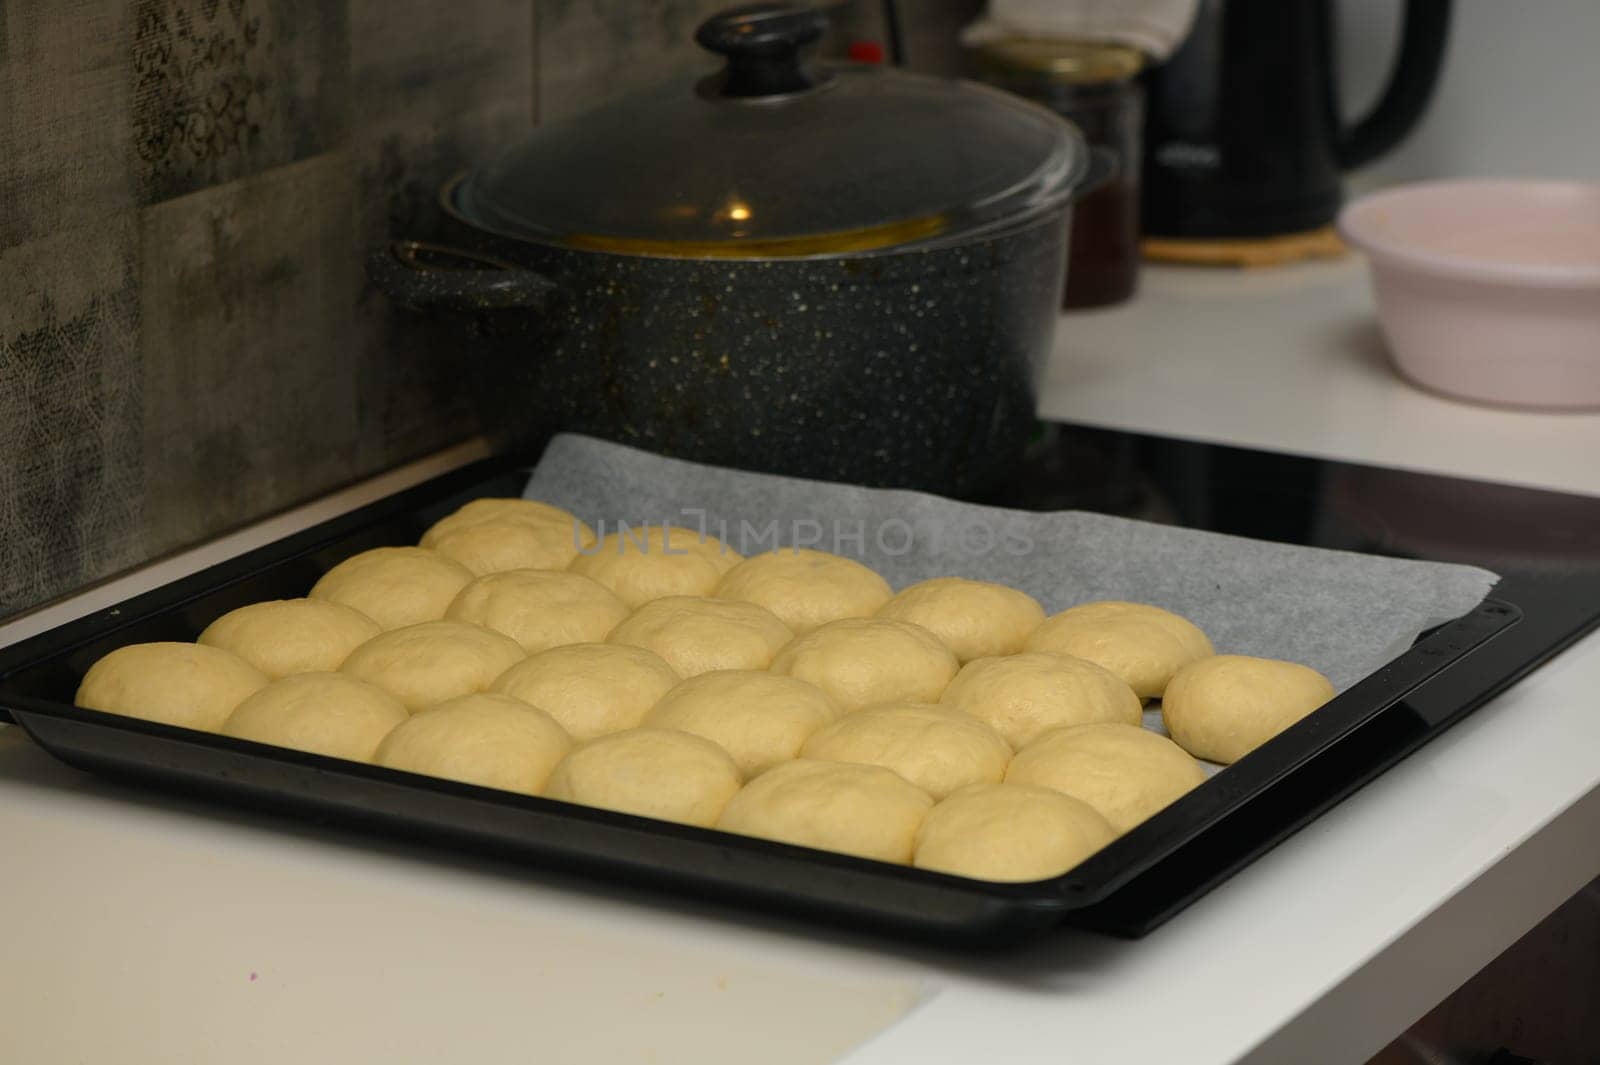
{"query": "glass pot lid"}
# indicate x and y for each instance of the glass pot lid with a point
(776, 157)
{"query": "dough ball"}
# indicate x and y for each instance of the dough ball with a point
(395, 586)
(1125, 772)
(183, 684)
(1022, 696)
(861, 661)
(1009, 832)
(660, 773)
(696, 635)
(936, 748)
(425, 664)
(644, 563)
(806, 588)
(1223, 707)
(324, 713)
(288, 636)
(493, 741)
(760, 718)
(591, 689)
(864, 810)
(973, 618)
(496, 546)
(499, 510)
(540, 609)
(1142, 644)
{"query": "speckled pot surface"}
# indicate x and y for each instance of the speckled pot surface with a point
(914, 369)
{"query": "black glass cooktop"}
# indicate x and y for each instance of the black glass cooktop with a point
(1544, 545)
(1310, 501)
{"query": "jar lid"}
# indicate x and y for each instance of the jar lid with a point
(1065, 60)
(775, 157)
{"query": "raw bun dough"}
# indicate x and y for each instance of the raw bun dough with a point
(1142, 644)
(496, 546)
(696, 635)
(324, 713)
(936, 748)
(1223, 707)
(1022, 696)
(591, 689)
(506, 509)
(864, 810)
(861, 661)
(660, 773)
(975, 619)
(493, 741)
(288, 636)
(395, 586)
(181, 684)
(1125, 772)
(1009, 832)
(759, 718)
(540, 609)
(426, 664)
(672, 561)
(806, 588)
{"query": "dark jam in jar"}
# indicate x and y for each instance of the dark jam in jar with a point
(1095, 86)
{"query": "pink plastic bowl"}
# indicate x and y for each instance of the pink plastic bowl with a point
(1488, 290)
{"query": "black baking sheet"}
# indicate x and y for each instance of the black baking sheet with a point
(1138, 880)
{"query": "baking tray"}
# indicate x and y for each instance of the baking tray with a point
(1135, 883)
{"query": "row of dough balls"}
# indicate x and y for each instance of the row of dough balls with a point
(693, 599)
(908, 782)
(596, 690)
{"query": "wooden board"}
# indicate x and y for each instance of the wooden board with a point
(1321, 243)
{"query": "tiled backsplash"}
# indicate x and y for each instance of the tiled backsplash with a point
(187, 191)
(187, 188)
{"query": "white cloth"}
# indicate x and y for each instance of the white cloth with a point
(1155, 27)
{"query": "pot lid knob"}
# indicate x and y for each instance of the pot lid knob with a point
(762, 43)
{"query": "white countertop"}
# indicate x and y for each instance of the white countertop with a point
(142, 929)
(1292, 360)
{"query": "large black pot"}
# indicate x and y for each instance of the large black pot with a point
(880, 328)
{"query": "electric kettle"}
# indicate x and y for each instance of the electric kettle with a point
(1243, 138)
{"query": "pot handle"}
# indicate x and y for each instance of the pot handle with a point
(1104, 164)
(426, 276)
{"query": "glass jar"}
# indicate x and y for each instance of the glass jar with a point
(1095, 86)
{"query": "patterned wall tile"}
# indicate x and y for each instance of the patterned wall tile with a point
(249, 385)
(411, 395)
(226, 88)
(64, 80)
(422, 67)
(71, 482)
(171, 370)
(434, 88)
(592, 51)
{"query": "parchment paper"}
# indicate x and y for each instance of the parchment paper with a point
(1340, 612)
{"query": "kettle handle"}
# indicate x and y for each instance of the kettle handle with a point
(1423, 34)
